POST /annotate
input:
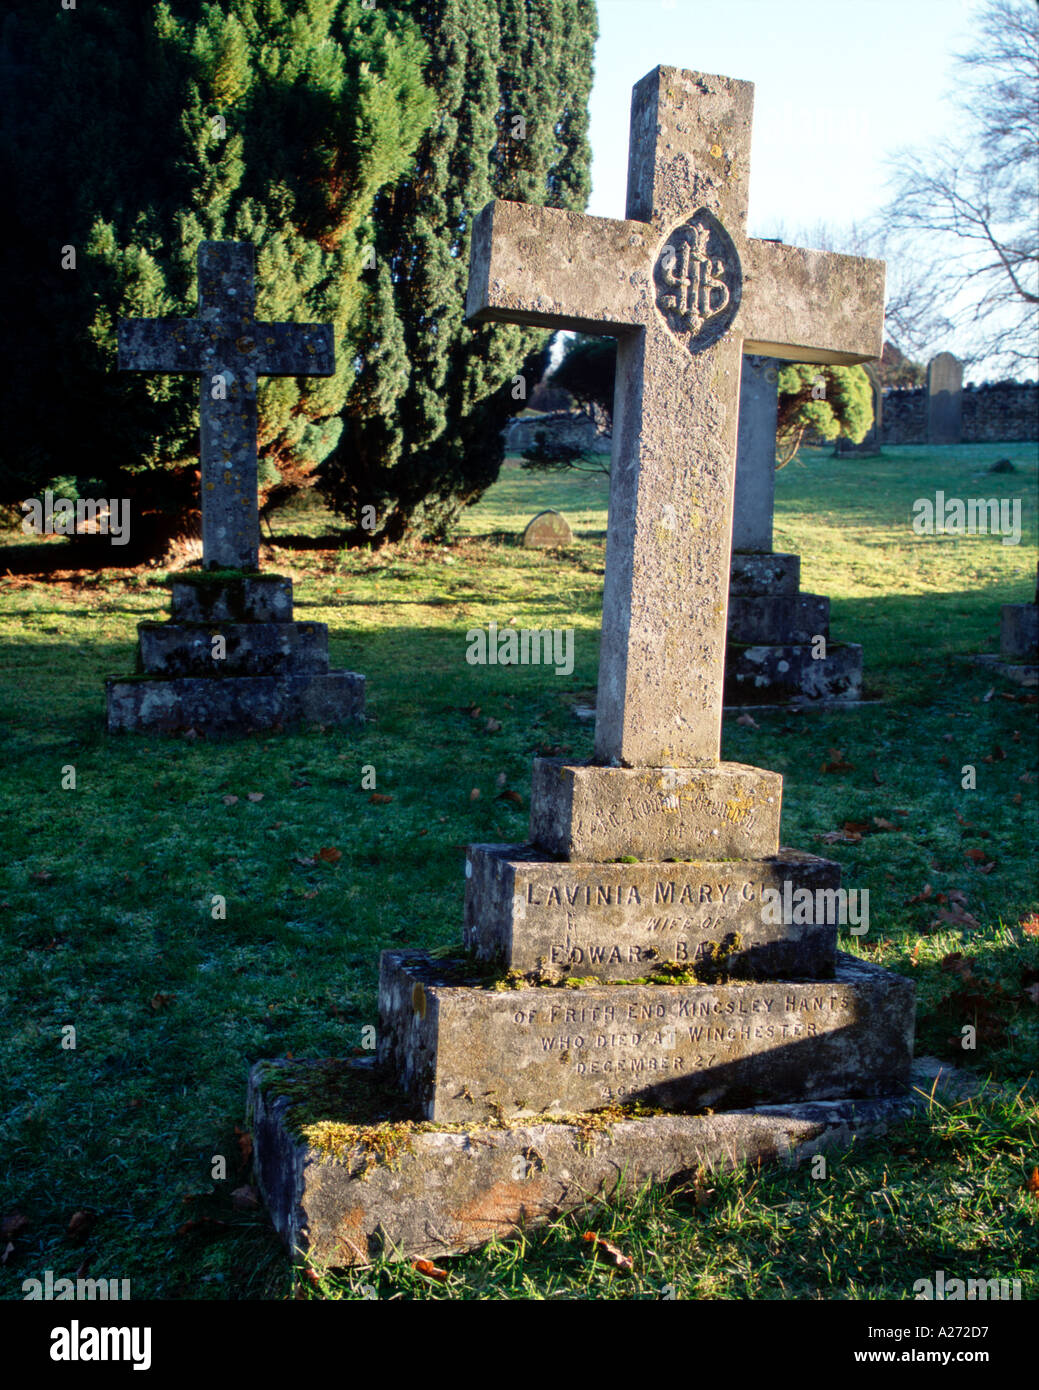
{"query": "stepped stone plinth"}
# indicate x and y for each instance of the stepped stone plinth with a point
(232, 660)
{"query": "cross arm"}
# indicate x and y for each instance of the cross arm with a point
(556, 269)
(294, 349)
(159, 345)
(811, 306)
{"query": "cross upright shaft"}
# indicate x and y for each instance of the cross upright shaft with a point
(230, 349)
(686, 292)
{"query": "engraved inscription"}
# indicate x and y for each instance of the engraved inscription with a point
(698, 281)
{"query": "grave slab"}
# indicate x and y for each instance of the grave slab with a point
(464, 1053)
(548, 919)
(350, 1188)
(722, 811)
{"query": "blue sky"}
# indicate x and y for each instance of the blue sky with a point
(839, 85)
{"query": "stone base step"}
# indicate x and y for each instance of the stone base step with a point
(790, 674)
(464, 1051)
(233, 704)
(548, 919)
(778, 618)
(1019, 631)
(763, 572)
(248, 598)
(358, 1183)
(1024, 673)
(717, 811)
(247, 649)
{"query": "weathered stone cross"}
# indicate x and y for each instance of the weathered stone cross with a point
(230, 348)
(686, 293)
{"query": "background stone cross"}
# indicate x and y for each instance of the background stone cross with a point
(686, 292)
(229, 348)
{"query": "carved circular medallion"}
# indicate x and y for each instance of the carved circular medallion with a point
(697, 280)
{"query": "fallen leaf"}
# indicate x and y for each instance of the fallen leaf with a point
(748, 722)
(244, 1140)
(922, 896)
(492, 725)
(988, 695)
(955, 916)
(203, 1223)
(607, 1251)
(81, 1223)
(429, 1270)
(329, 854)
(474, 794)
(978, 855)
(883, 824)
(161, 1001)
(255, 796)
(380, 799)
(500, 780)
(41, 875)
(13, 1224)
(229, 800)
(1032, 1181)
(1030, 925)
(509, 795)
(837, 762)
(245, 1198)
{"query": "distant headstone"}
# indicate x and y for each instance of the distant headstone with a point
(547, 530)
(641, 860)
(233, 659)
(944, 399)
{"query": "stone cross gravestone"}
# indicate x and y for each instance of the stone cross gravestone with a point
(649, 870)
(229, 348)
(944, 399)
(686, 292)
(234, 659)
(778, 648)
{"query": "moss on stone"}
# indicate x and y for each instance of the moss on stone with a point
(379, 1132)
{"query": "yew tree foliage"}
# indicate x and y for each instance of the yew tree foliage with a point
(830, 401)
(131, 133)
(422, 423)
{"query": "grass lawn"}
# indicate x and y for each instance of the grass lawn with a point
(106, 891)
